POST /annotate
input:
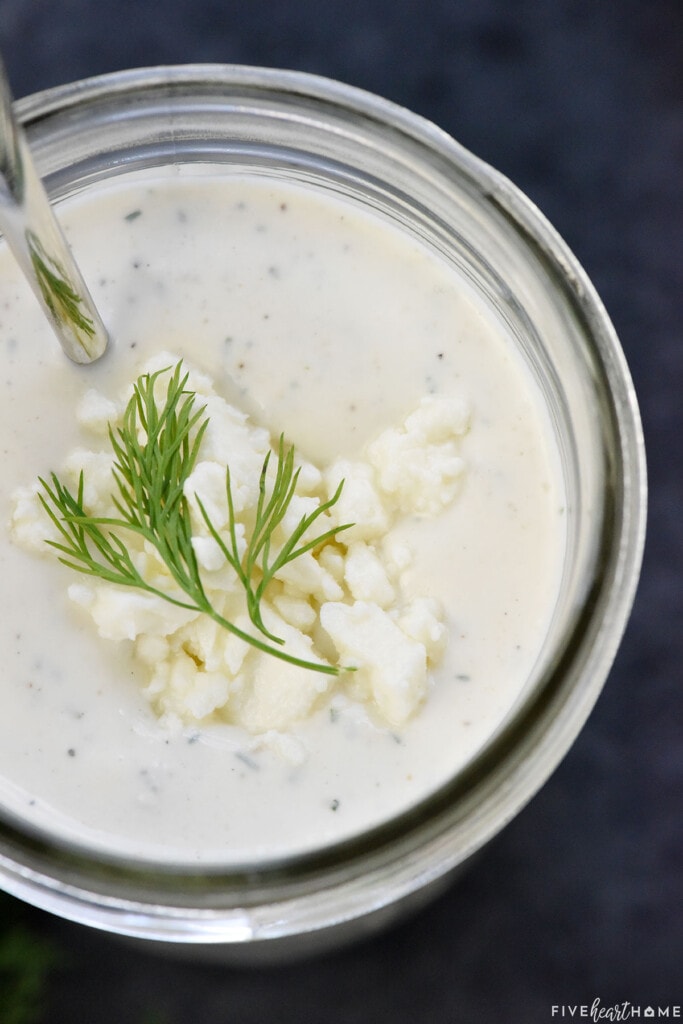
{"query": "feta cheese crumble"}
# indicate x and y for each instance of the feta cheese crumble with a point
(340, 603)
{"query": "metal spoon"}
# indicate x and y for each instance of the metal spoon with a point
(34, 236)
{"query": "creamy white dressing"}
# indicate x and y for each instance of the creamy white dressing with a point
(326, 322)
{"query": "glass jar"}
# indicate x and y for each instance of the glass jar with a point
(314, 131)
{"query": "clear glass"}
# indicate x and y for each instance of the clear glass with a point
(312, 130)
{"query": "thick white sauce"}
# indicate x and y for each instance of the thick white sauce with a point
(324, 322)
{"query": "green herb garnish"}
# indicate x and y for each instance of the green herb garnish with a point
(61, 298)
(156, 449)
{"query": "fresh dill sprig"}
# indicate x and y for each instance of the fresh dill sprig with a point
(156, 449)
(256, 563)
(62, 300)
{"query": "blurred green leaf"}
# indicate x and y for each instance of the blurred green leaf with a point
(26, 960)
(154, 1017)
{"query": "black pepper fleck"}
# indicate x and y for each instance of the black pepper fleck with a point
(249, 761)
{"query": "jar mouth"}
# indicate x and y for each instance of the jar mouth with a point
(428, 169)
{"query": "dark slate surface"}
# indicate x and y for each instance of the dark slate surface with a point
(581, 104)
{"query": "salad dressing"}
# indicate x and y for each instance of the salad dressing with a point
(325, 322)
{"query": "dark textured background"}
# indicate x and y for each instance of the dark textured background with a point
(580, 102)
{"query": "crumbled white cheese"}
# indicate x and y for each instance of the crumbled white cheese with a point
(396, 556)
(421, 620)
(95, 412)
(307, 577)
(296, 611)
(332, 559)
(207, 484)
(359, 504)
(179, 690)
(340, 603)
(366, 576)
(229, 440)
(390, 666)
(418, 465)
(30, 527)
(273, 694)
(123, 614)
(97, 479)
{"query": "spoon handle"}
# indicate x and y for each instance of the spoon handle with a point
(39, 246)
